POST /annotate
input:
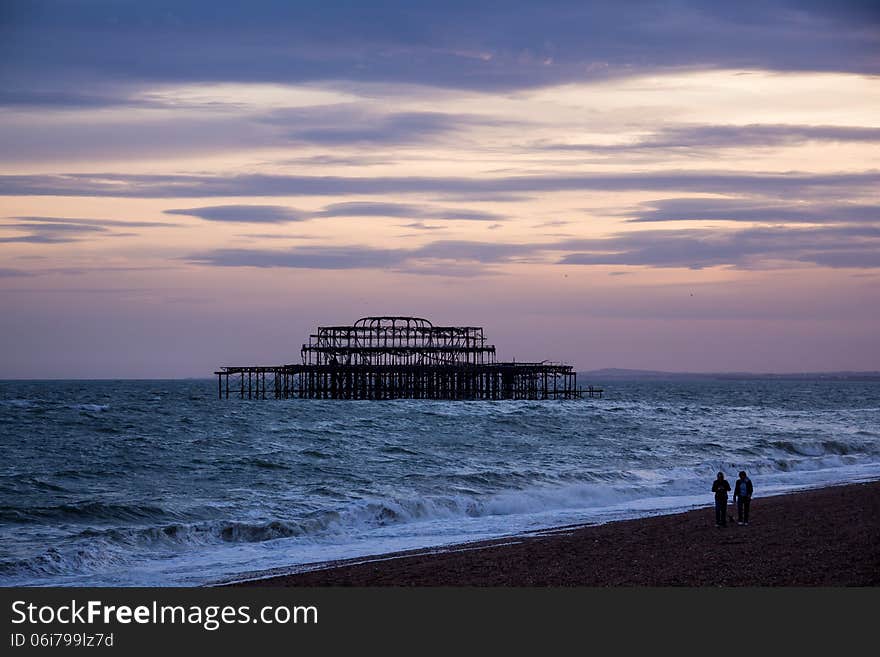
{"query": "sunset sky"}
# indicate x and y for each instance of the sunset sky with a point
(686, 186)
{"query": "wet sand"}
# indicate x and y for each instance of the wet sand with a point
(824, 537)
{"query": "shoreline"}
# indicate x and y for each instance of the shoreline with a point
(815, 537)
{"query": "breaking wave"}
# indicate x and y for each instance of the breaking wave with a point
(191, 489)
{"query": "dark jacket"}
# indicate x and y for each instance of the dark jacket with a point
(749, 488)
(720, 487)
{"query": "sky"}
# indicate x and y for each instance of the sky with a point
(681, 186)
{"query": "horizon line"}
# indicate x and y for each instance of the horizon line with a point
(604, 370)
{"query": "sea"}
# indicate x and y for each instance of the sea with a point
(159, 483)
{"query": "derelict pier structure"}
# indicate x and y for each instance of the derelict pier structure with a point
(401, 358)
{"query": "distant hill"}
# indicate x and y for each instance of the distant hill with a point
(613, 373)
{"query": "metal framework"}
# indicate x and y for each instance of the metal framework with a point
(402, 358)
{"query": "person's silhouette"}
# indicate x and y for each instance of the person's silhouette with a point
(720, 487)
(742, 497)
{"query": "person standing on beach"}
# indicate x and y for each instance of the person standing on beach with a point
(720, 487)
(742, 497)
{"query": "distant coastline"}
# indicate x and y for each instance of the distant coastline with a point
(612, 373)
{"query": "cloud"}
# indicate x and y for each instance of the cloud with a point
(277, 236)
(474, 45)
(449, 269)
(860, 258)
(338, 125)
(767, 247)
(338, 160)
(256, 214)
(405, 210)
(123, 135)
(764, 247)
(304, 258)
(49, 233)
(763, 211)
(59, 230)
(727, 136)
(464, 250)
(170, 127)
(419, 225)
(276, 214)
(60, 98)
(442, 257)
(6, 272)
(79, 271)
(699, 137)
(552, 224)
(103, 223)
(785, 184)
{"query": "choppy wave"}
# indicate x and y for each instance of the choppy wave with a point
(88, 511)
(192, 489)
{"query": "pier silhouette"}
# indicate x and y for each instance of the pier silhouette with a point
(401, 358)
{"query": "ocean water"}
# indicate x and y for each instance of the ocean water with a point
(158, 483)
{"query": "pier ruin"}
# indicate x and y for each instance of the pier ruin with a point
(401, 358)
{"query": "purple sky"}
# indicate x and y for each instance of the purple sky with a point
(686, 186)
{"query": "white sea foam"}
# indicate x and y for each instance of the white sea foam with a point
(195, 490)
